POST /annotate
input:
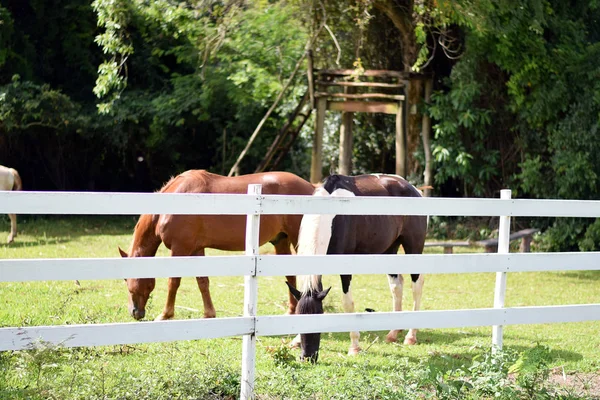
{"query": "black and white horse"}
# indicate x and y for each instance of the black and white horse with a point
(358, 234)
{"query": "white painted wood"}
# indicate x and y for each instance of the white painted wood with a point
(500, 287)
(250, 300)
(57, 269)
(271, 265)
(292, 324)
(125, 203)
(428, 206)
(124, 333)
(240, 204)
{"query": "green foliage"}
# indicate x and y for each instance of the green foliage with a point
(114, 17)
(25, 104)
(522, 108)
(531, 369)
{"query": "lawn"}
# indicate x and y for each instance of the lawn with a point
(201, 369)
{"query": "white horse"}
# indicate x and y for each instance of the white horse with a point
(10, 180)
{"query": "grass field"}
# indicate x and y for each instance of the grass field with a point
(210, 368)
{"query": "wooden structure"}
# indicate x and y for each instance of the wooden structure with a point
(374, 91)
(286, 135)
(490, 245)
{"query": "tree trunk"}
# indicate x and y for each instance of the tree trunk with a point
(402, 18)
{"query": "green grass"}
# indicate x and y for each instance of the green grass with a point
(200, 369)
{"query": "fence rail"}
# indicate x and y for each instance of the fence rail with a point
(57, 269)
(253, 265)
(90, 203)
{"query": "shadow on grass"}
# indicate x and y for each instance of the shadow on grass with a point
(40, 242)
(442, 337)
(442, 360)
(590, 275)
(58, 229)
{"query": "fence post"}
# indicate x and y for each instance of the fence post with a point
(250, 299)
(500, 290)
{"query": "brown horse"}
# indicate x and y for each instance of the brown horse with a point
(10, 180)
(189, 235)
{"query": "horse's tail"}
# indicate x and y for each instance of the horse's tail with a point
(18, 185)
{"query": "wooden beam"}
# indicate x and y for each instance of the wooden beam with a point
(316, 167)
(311, 79)
(361, 84)
(362, 106)
(400, 142)
(346, 140)
(426, 134)
(291, 139)
(370, 72)
(397, 97)
(282, 134)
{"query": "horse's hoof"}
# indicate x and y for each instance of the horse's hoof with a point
(392, 336)
(210, 315)
(10, 240)
(411, 341)
(163, 317)
(295, 343)
(353, 351)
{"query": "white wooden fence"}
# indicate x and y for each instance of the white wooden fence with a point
(252, 265)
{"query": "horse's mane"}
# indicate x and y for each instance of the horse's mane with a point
(169, 183)
(315, 234)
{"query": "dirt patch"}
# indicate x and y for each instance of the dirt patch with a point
(586, 385)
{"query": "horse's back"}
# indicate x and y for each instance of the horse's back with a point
(202, 181)
(372, 234)
(372, 185)
(227, 232)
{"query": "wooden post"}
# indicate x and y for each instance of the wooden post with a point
(525, 246)
(224, 152)
(250, 301)
(428, 175)
(311, 79)
(400, 142)
(316, 168)
(500, 290)
(346, 140)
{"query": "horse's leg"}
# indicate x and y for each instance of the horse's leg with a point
(414, 244)
(348, 304)
(13, 228)
(417, 289)
(172, 286)
(169, 310)
(204, 286)
(396, 283)
(282, 246)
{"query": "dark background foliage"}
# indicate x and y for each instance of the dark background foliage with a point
(182, 85)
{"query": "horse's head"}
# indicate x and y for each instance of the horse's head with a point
(139, 292)
(309, 303)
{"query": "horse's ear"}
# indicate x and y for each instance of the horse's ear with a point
(323, 294)
(123, 254)
(294, 291)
